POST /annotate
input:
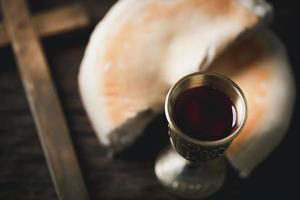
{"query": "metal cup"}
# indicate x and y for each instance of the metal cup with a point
(197, 150)
(200, 168)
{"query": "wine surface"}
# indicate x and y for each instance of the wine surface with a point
(205, 113)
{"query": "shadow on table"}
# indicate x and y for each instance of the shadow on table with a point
(150, 143)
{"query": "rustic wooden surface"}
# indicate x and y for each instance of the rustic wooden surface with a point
(23, 171)
(43, 100)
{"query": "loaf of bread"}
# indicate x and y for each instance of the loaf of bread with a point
(141, 48)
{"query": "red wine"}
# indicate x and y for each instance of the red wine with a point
(205, 113)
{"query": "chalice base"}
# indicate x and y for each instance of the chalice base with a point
(187, 179)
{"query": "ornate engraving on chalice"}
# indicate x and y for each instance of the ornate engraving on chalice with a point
(193, 168)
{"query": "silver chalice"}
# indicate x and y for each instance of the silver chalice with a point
(193, 168)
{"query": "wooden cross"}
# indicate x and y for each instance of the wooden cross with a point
(22, 32)
(58, 20)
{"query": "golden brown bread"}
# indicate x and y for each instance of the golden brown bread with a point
(143, 47)
(259, 65)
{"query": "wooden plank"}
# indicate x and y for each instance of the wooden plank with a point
(55, 21)
(45, 107)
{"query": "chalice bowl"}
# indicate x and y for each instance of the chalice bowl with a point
(205, 112)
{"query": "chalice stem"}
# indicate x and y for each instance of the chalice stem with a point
(190, 179)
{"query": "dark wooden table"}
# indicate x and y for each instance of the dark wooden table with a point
(23, 171)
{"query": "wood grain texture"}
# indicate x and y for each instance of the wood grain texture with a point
(58, 20)
(23, 171)
(45, 107)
